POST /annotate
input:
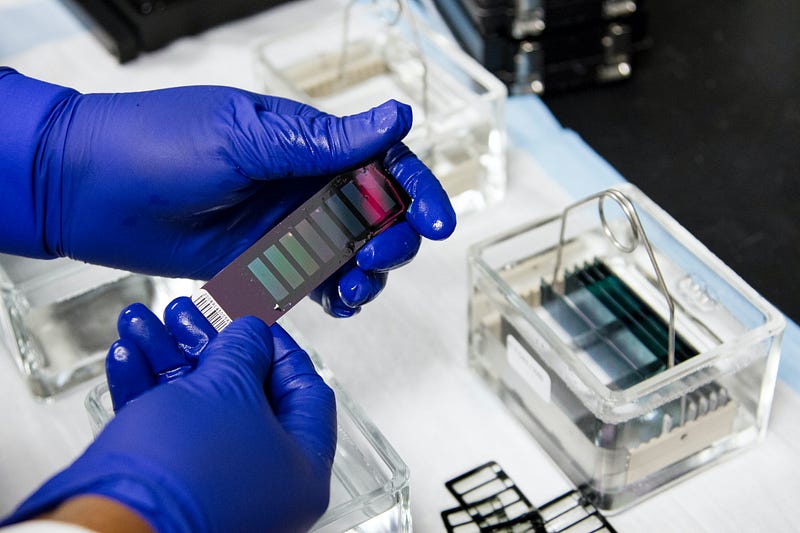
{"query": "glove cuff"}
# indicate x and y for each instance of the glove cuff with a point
(160, 501)
(30, 210)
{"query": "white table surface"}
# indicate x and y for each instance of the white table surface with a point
(403, 359)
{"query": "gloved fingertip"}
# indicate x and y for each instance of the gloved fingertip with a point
(432, 215)
(354, 288)
(130, 316)
(249, 329)
(128, 372)
(283, 342)
(339, 309)
(256, 326)
(393, 248)
(357, 287)
(179, 304)
(279, 334)
(375, 131)
(365, 258)
(393, 113)
(188, 326)
(327, 296)
(139, 325)
(246, 341)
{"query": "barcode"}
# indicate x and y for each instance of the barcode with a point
(211, 310)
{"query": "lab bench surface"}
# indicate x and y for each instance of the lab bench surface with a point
(412, 380)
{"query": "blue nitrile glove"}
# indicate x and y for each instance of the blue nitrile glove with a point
(178, 182)
(150, 352)
(236, 444)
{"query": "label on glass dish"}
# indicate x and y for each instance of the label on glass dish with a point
(528, 369)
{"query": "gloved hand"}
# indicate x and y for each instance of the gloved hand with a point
(235, 445)
(178, 182)
(149, 352)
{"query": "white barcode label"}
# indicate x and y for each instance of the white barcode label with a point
(211, 309)
(528, 369)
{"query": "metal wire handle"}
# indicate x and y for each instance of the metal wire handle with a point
(638, 237)
(402, 8)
